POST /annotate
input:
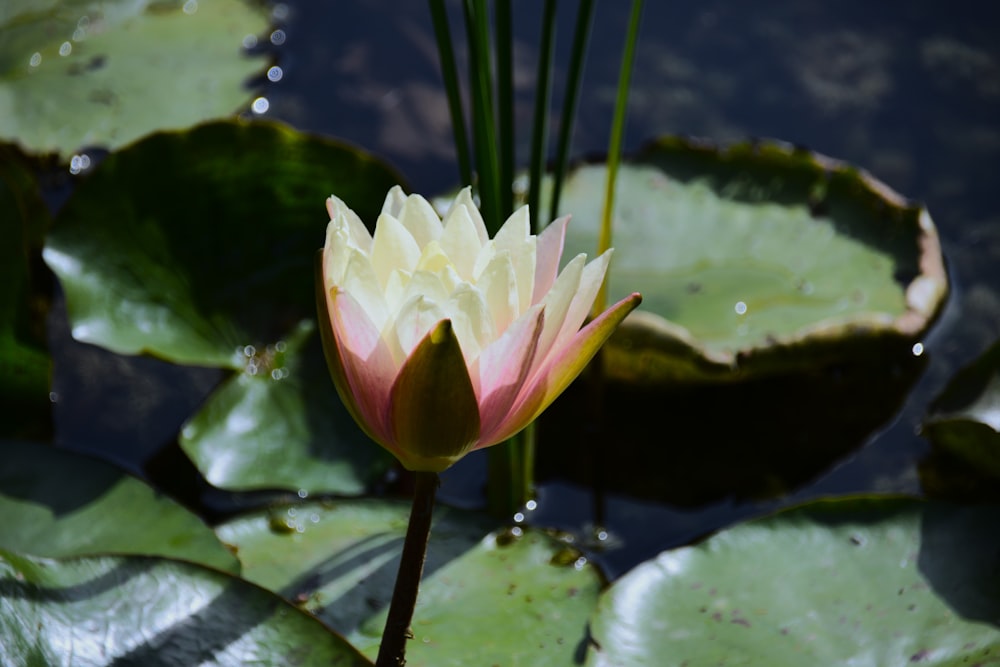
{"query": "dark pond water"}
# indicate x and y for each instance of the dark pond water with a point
(908, 90)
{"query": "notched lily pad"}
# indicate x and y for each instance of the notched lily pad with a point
(755, 259)
(76, 74)
(835, 582)
(964, 421)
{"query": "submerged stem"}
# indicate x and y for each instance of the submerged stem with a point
(392, 651)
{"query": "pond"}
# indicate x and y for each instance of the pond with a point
(910, 93)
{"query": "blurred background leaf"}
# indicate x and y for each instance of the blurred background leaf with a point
(77, 73)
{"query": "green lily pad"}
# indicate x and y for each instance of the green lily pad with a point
(757, 258)
(339, 559)
(191, 245)
(56, 503)
(198, 247)
(510, 601)
(141, 611)
(25, 366)
(75, 73)
(280, 423)
(964, 421)
(852, 581)
(485, 598)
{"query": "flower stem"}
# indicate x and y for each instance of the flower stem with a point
(392, 651)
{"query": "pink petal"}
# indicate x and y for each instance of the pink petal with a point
(560, 370)
(364, 364)
(548, 252)
(503, 368)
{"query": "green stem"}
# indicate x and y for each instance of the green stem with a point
(484, 130)
(615, 146)
(539, 134)
(449, 73)
(392, 651)
(581, 35)
(506, 138)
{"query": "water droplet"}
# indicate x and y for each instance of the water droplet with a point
(580, 563)
(531, 505)
(302, 493)
(36, 59)
(79, 163)
(518, 517)
(740, 308)
(602, 536)
(280, 11)
(65, 49)
(79, 34)
(918, 349)
(249, 41)
(53, 397)
(281, 346)
(190, 7)
(314, 518)
(260, 105)
(276, 374)
(249, 351)
(274, 74)
(292, 511)
(278, 37)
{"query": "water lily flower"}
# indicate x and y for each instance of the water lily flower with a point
(442, 341)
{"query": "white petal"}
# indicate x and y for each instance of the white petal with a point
(464, 200)
(460, 241)
(356, 229)
(583, 300)
(499, 289)
(515, 237)
(471, 321)
(392, 248)
(412, 323)
(362, 284)
(418, 216)
(394, 201)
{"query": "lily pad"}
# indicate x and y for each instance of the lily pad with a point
(198, 247)
(510, 601)
(339, 559)
(755, 259)
(141, 610)
(56, 503)
(280, 423)
(25, 366)
(851, 581)
(191, 245)
(75, 73)
(964, 421)
(485, 598)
